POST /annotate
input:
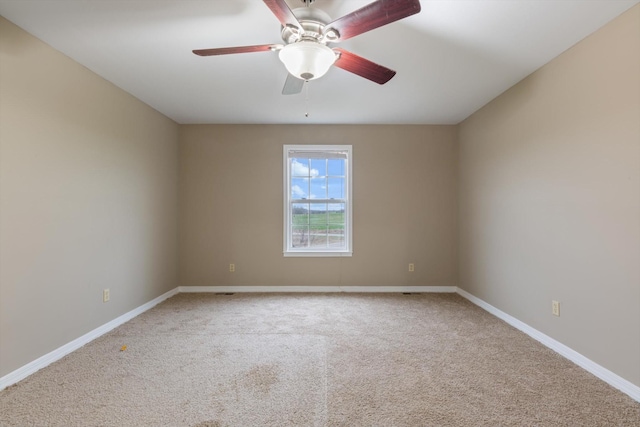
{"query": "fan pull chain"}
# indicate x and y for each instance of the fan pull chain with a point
(306, 98)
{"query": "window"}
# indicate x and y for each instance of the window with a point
(317, 200)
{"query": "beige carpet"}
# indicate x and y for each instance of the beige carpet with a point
(315, 360)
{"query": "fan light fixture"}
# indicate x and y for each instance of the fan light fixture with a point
(307, 60)
(306, 31)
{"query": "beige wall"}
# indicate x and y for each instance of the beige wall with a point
(231, 206)
(549, 198)
(88, 200)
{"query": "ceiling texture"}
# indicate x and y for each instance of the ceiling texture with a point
(451, 58)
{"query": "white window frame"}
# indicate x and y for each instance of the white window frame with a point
(290, 251)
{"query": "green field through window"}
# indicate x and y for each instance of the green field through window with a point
(320, 221)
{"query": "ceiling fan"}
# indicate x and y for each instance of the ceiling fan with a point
(306, 33)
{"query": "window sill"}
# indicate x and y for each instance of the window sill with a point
(318, 254)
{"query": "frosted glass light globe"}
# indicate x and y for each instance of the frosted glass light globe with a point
(307, 60)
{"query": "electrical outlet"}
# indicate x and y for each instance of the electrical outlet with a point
(555, 308)
(232, 268)
(105, 295)
(411, 268)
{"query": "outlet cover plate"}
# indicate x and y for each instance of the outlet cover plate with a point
(555, 308)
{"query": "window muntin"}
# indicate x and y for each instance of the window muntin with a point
(317, 204)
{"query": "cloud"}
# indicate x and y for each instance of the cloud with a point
(297, 191)
(299, 169)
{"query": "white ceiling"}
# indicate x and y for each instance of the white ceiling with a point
(451, 58)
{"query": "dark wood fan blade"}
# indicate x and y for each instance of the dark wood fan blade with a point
(238, 49)
(283, 13)
(374, 15)
(292, 86)
(363, 67)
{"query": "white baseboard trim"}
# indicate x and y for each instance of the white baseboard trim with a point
(41, 362)
(590, 366)
(316, 289)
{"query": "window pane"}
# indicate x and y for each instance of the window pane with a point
(318, 215)
(318, 225)
(319, 166)
(335, 225)
(336, 207)
(300, 214)
(300, 167)
(336, 219)
(299, 237)
(318, 188)
(335, 240)
(335, 188)
(318, 238)
(336, 167)
(299, 188)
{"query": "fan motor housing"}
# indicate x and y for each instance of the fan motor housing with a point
(313, 23)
